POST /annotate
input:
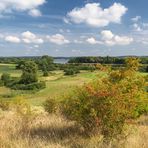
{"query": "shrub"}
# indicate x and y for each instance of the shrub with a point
(71, 71)
(21, 106)
(32, 86)
(107, 103)
(5, 78)
(50, 105)
(45, 73)
(12, 82)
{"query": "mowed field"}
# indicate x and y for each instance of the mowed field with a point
(57, 85)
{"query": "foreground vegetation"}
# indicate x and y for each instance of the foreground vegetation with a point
(107, 103)
(54, 131)
(122, 98)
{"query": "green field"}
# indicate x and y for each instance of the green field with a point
(56, 84)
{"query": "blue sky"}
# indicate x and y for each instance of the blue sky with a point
(73, 27)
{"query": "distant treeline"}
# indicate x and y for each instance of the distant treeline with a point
(15, 60)
(104, 60)
(101, 60)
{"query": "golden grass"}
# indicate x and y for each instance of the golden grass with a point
(53, 131)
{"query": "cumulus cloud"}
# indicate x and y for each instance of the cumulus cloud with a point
(111, 39)
(107, 35)
(8, 6)
(35, 13)
(58, 39)
(137, 27)
(29, 37)
(92, 14)
(93, 41)
(12, 39)
(136, 19)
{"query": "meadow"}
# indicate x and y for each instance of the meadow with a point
(54, 131)
(57, 84)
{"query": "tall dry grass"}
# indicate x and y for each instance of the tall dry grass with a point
(53, 131)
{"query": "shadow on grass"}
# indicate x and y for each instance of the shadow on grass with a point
(56, 133)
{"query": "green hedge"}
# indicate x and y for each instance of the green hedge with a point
(33, 86)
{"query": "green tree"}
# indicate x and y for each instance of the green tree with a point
(5, 78)
(46, 64)
(20, 64)
(29, 73)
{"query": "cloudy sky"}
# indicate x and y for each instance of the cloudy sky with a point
(73, 27)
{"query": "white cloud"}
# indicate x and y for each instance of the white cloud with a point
(144, 42)
(8, 6)
(123, 40)
(92, 14)
(137, 27)
(111, 39)
(64, 30)
(93, 41)
(35, 13)
(107, 35)
(142, 39)
(66, 20)
(29, 37)
(12, 39)
(145, 24)
(58, 39)
(36, 46)
(78, 41)
(136, 19)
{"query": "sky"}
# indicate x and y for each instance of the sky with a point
(73, 27)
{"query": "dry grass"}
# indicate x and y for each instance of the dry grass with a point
(52, 131)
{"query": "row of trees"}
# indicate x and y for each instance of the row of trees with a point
(101, 60)
(104, 60)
